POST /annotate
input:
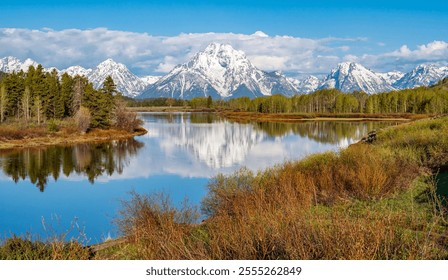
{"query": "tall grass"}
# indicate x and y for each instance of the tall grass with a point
(364, 202)
(22, 248)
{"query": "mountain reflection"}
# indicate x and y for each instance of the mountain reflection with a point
(90, 160)
(217, 143)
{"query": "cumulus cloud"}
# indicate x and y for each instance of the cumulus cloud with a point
(148, 54)
(403, 58)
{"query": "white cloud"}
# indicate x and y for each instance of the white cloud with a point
(148, 54)
(404, 57)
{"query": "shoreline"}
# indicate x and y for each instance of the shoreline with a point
(56, 139)
(286, 117)
(302, 117)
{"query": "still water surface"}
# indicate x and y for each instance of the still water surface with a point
(49, 190)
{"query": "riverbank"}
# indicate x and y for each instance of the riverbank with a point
(294, 117)
(17, 136)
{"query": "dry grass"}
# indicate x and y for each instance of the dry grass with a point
(16, 248)
(18, 135)
(14, 132)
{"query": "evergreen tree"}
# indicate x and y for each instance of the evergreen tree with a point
(65, 105)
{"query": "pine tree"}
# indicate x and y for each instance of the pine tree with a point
(53, 95)
(65, 104)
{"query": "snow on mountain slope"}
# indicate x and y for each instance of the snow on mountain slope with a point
(219, 71)
(307, 85)
(77, 70)
(422, 75)
(127, 83)
(350, 76)
(149, 80)
(391, 77)
(11, 64)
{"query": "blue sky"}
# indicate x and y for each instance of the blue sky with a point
(348, 29)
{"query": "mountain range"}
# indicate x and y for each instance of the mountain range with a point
(223, 72)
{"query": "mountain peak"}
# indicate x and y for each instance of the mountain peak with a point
(221, 71)
(352, 76)
(110, 63)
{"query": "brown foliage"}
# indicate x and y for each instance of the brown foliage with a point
(12, 132)
(124, 119)
(83, 119)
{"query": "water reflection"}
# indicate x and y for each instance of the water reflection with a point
(221, 144)
(91, 160)
(326, 132)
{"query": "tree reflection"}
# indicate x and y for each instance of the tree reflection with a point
(91, 160)
(326, 132)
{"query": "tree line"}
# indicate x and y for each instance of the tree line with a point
(429, 100)
(37, 96)
(421, 100)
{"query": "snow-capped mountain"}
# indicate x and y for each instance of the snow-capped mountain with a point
(307, 85)
(219, 71)
(77, 70)
(350, 76)
(11, 64)
(391, 77)
(422, 75)
(126, 82)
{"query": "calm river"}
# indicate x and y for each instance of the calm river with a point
(47, 191)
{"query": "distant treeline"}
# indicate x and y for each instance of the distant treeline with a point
(156, 102)
(37, 96)
(432, 100)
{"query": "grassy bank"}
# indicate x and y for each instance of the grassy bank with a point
(19, 135)
(294, 117)
(368, 201)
